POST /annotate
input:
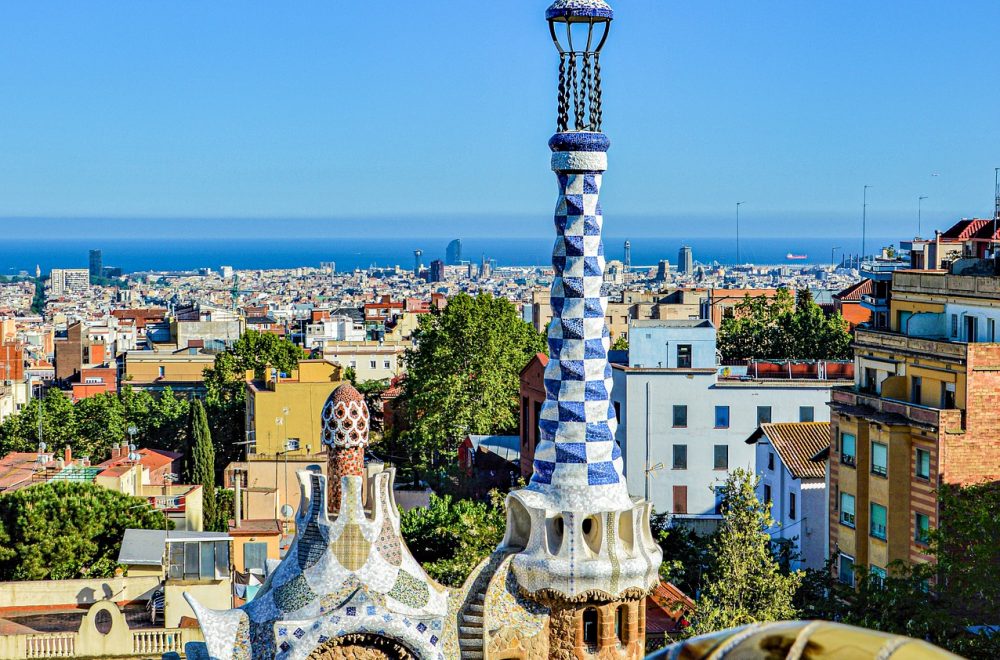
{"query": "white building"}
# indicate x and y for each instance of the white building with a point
(333, 329)
(795, 484)
(68, 280)
(371, 360)
(684, 420)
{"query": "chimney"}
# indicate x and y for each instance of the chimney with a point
(124, 450)
(237, 497)
(68, 454)
(116, 452)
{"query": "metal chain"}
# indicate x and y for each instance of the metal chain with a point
(574, 82)
(596, 111)
(562, 121)
(587, 93)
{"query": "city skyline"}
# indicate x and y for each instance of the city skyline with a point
(101, 127)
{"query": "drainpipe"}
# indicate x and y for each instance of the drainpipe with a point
(647, 441)
(237, 498)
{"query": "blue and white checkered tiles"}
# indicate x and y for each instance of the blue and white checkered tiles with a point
(577, 462)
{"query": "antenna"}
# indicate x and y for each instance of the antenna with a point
(996, 210)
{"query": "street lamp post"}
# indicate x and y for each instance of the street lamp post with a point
(738, 205)
(864, 221)
(920, 202)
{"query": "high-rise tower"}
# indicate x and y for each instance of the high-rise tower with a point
(453, 253)
(96, 263)
(416, 262)
(685, 260)
(628, 261)
(583, 546)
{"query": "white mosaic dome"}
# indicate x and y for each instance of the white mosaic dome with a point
(345, 418)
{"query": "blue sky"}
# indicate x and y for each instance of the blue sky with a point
(437, 114)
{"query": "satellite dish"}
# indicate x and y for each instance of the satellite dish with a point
(287, 510)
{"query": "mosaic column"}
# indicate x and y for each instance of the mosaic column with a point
(577, 461)
(345, 433)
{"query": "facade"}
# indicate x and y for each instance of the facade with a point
(68, 280)
(532, 392)
(685, 261)
(183, 371)
(437, 271)
(453, 253)
(684, 421)
(720, 302)
(334, 328)
(791, 465)
(96, 264)
(282, 414)
(371, 360)
(921, 414)
(848, 303)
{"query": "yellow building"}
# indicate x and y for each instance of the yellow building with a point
(254, 542)
(155, 370)
(283, 414)
(922, 413)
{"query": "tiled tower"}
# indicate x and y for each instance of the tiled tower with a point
(345, 434)
(583, 547)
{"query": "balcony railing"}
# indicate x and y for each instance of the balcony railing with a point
(894, 341)
(952, 421)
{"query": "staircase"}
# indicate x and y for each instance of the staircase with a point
(470, 628)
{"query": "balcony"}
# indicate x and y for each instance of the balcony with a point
(894, 342)
(874, 303)
(882, 269)
(853, 402)
(942, 283)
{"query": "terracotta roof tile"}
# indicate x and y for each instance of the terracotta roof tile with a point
(797, 443)
(855, 291)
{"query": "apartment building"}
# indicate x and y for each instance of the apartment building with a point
(371, 360)
(922, 413)
(683, 420)
(68, 280)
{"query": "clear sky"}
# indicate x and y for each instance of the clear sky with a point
(441, 111)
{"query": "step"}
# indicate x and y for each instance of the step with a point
(473, 619)
(476, 608)
(472, 655)
(470, 630)
(480, 598)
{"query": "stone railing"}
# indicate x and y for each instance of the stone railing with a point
(947, 420)
(144, 643)
(894, 341)
(943, 283)
(50, 645)
(163, 640)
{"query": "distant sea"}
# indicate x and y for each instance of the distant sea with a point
(133, 255)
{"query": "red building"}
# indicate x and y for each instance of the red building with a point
(848, 303)
(532, 397)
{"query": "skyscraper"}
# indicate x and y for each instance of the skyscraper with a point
(437, 271)
(685, 261)
(416, 262)
(453, 253)
(628, 257)
(96, 263)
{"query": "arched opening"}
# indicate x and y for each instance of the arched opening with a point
(592, 533)
(370, 647)
(518, 525)
(590, 624)
(621, 624)
(555, 528)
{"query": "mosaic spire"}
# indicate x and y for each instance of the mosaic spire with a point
(578, 463)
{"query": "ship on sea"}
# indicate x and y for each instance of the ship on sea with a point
(796, 257)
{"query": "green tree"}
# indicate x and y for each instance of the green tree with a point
(685, 553)
(744, 583)
(100, 423)
(201, 462)
(462, 377)
(225, 382)
(450, 537)
(620, 344)
(61, 530)
(782, 328)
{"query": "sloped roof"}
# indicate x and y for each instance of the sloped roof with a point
(797, 443)
(855, 291)
(667, 609)
(964, 228)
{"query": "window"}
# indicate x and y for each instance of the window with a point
(847, 509)
(991, 330)
(770, 460)
(722, 417)
(680, 457)
(590, 626)
(386, 365)
(683, 356)
(921, 529)
(720, 498)
(948, 396)
(767, 494)
(680, 499)
(198, 560)
(618, 411)
(870, 382)
(161, 371)
(721, 457)
(807, 414)
(846, 575)
(763, 415)
(954, 326)
(354, 364)
(878, 575)
(923, 467)
(680, 416)
(971, 329)
(916, 389)
(373, 364)
(791, 506)
(621, 623)
(880, 459)
(848, 449)
(292, 444)
(878, 521)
